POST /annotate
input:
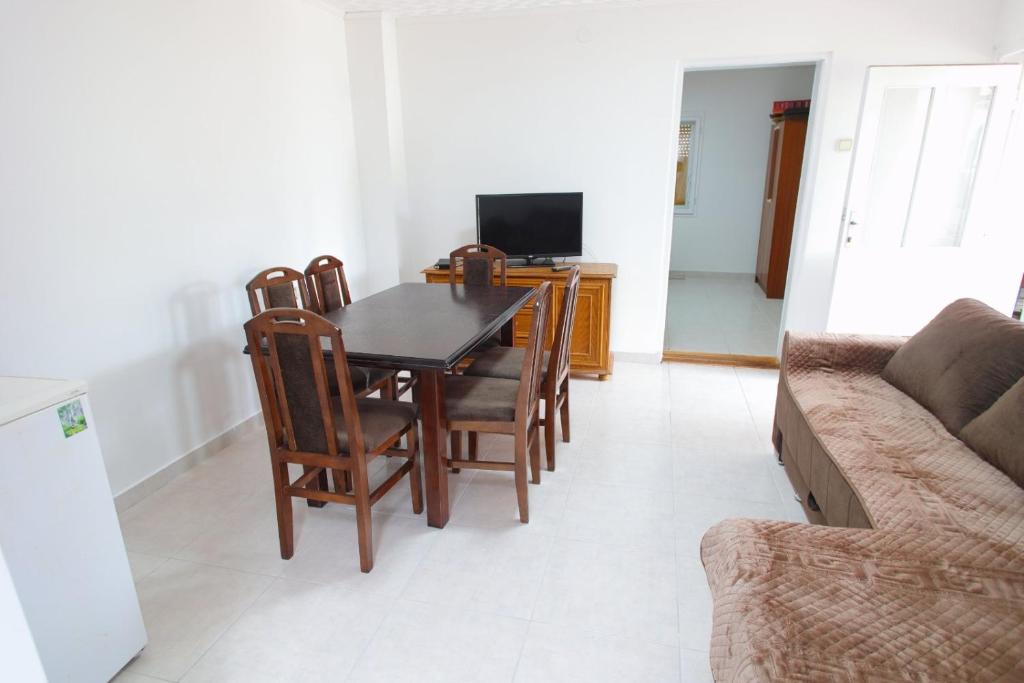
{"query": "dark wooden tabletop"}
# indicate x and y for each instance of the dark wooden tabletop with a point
(424, 327)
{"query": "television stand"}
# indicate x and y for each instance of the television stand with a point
(530, 261)
(591, 352)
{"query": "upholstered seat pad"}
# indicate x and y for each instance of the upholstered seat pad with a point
(379, 419)
(504, 362)
(480, 399)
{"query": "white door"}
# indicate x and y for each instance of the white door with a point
(921, 226)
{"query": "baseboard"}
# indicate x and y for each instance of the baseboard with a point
(144, 487)
(734, 360)
(693, 274)
(635, 357)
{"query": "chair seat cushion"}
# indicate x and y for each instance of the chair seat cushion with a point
(380, 419)
(504, 362)
(492, 342)
(480, 399)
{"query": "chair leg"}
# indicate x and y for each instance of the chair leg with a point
(364, 522)
(549, 431)
(522, 494)
(456, 450)
(473, 445)
(565, 410)
(285, 530)
(339, 478)
(533, 437)
(414, 474)
(321, 485)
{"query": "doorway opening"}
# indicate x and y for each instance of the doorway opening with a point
(740, 152)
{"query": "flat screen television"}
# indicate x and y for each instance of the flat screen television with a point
(531, 226)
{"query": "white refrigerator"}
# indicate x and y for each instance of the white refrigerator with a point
(68, 606)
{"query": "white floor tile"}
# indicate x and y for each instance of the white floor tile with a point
(131, 677)
(489, 570)
(601, 589)
(695, 666)
(186, 607)
(604, 583)
(627, 463)
(426, 642)
(330, 552)
(619, 515)
(172, 517)
(490, 501)
(143, 565)
(709, 313)
(554, 654)
(295, 631)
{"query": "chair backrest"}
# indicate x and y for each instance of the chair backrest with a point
(280, 287)
(477, 262)
(287, 350)
(529, 377)
(558, 361)
(325, 280)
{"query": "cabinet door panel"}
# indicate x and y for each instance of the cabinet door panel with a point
(587, 334)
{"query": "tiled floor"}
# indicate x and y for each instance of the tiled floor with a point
(604, 584)
(711, 313)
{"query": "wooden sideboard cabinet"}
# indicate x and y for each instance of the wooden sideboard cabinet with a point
(591, 353)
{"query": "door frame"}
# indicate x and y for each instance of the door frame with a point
(822, 62)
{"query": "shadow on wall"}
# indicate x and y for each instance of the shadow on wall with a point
(213, 387)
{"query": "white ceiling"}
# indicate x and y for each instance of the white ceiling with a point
(469, 6)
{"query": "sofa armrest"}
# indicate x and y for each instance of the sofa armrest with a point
(864, 353)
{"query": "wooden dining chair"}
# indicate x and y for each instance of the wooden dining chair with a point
(477, 262)
(325, 279)
(308, 426)
(505, 362)
(503, 406)
(283, 287)
(279, 287)
(328, 290)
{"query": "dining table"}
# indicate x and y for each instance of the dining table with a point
(428, 329)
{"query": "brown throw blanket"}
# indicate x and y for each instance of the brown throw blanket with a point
(798, 602)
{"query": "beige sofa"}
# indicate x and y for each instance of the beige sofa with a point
(915, 569)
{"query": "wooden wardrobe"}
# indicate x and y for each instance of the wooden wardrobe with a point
(781, 183)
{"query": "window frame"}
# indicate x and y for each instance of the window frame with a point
(696, 138)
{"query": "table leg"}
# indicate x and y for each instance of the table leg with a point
(435, 446)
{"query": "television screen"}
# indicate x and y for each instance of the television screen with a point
(531, 224)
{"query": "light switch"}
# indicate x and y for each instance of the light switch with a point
(844, 144)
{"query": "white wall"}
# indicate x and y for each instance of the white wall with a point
(156, 155)
(1009, 42)
(586, 99)
(734, 106)
(377, 117)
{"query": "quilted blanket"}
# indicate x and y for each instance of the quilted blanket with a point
(932, 590)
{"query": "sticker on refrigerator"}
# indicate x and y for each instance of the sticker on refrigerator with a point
(72, 418)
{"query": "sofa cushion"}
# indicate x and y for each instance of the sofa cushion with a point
(960, 363)
(998, 433)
